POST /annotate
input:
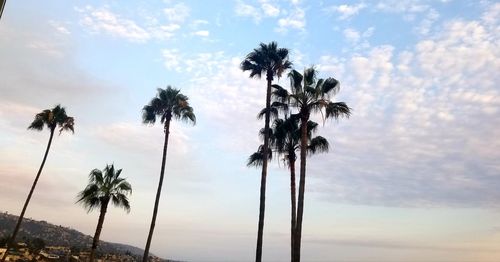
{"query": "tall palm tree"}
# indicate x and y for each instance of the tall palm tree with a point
(285, 140)
(104, 186)
(273, 62)
(52, 119)
(309, 95)
(168, 104)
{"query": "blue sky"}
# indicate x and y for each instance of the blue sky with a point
(413, 173)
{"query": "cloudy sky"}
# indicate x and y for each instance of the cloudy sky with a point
(413, 175)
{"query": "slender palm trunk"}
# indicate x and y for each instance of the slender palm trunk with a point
(262, 208)
(20, 219)
(2, 6)
(97, 234)
(294, 205)
(158, 192)
(302, 185)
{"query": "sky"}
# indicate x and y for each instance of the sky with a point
(412, 175)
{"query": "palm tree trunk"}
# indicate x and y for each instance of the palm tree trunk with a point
(302, 185)
(294, 206)
(158, 192)
(97, 234)
(20, 219)
(2, 6)
(262, 207)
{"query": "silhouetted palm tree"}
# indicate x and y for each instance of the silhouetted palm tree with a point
(52, 119)
(169, 103)
(308, 95)
(104, 186)
(285, 140)
(271, 61)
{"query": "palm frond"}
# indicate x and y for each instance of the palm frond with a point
(337, 110)
(317, 145)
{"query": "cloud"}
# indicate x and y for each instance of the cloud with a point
(246, 10)
(171, 59)
(358, 40)
(202, 33)
(426, 24)
(270, 9)
(102, 20)
(351, 35)
(178, 13)
(295, 20)
(388, 244)
(266, 9)
(413, 139)
(59, 27)
(346, 11)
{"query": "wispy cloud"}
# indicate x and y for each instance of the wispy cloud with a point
(102, 20)
(430, 100)
(295, 20)
(346, 11)
(177, 13)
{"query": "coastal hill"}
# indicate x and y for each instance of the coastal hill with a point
(54, 235)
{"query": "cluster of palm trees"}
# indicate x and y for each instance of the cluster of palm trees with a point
(308, 94)
(286, 136)
(106, 186)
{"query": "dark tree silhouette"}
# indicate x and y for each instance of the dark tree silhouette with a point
(167, 105)
(52, 119)
(273, 62)
(104, 186)
(308, 95)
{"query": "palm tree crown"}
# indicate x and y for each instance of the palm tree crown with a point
(105, 186)
(267, 59)
(52, 118)
(310, 94)
(284, 138)
(168, 103)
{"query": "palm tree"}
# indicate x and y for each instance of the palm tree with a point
(285, 140)
(271, 61)
(169, 103)
(104, 186)
(308, 95)
(52, 119)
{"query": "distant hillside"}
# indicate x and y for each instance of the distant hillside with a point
(59, 236)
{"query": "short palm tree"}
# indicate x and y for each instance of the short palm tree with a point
(285, 140)
(52, 119)
(104, 187)
(273, 62)
(308, 95)
(168, 104)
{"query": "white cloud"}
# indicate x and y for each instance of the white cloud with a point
(59, 27)
(295, 20)
(172, 59)
(202, 33)
(346, 11)
(357, 39)
(178, 13)
(246, 10)
(101, 20)
(402, 6)
(426, 24)
(270, 9)
(351, 35)
(423, 109)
